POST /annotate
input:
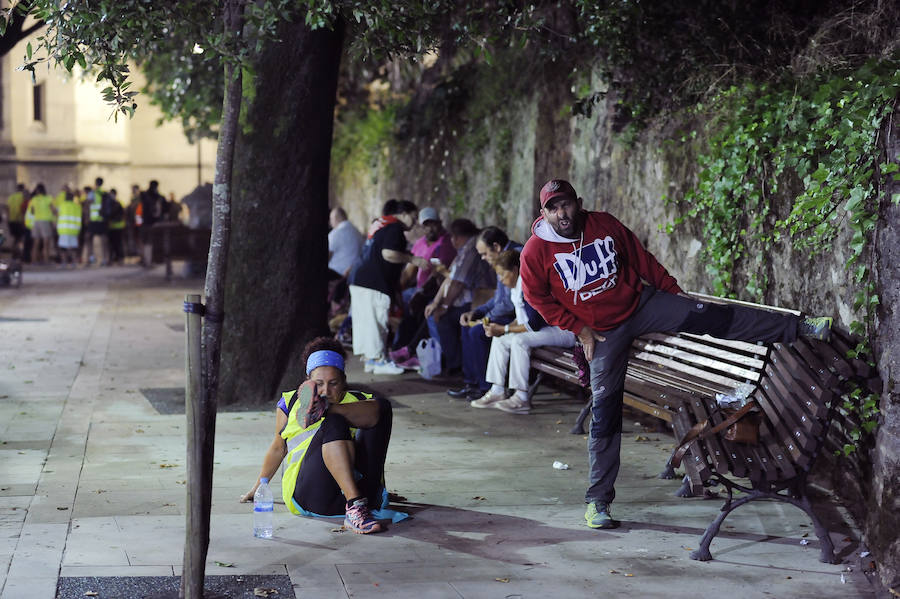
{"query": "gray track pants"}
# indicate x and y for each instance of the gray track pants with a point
(659, 312)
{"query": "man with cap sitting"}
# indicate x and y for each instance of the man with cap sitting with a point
(335, 441)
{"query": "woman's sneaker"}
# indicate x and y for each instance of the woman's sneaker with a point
(359, 520)
(513, 405)
(385, 367)
(399, 355)
(487, 400)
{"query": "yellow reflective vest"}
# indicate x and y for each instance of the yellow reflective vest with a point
(69, 222)
(298, 440)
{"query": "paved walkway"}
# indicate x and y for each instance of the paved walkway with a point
(92, 480)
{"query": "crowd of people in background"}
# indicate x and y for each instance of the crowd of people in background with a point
(410, 278)
(88, 226)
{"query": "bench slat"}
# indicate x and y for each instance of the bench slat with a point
(711, 350)
(744, 346)
(706, 363)
(687, 369)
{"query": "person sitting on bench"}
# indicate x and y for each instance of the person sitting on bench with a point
(511, 344)
(335, 442)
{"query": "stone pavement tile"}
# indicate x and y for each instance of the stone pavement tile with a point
(29, 588)
(332, 592)
(130, 503)
(306, 575)
(95, 542)
(403, 590)
(37, 554)
(107, 570)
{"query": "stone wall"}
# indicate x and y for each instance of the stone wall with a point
(531, 137)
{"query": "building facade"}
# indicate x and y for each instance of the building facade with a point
(55, 129)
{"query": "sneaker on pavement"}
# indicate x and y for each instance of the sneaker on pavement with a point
(383, 367)
(411, 363)
(463, 392)
(513, 405)
(369, 365)
(599, 516)
(399, 355)
(487, 400)
(816, 328)
(359, 520)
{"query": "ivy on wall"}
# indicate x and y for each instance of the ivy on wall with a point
(816, 142)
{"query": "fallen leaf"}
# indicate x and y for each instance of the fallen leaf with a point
(225, 565)
(641, 439)
(559, 422)
(138, 430)
(502, 579)
(62, 508)
(341, 529)
(261, 592)
(613, 571)
(479, 498)
(91, 594)
(629, 575)
(167, 465)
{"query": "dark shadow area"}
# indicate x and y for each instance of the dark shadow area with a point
(407, 386)
(493, 536)
(166, 587)
(169, 401)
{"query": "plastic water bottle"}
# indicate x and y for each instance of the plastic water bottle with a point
(263, 505)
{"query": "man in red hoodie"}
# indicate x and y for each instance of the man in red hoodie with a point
(587, 273)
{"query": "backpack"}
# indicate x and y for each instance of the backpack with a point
(113, 208)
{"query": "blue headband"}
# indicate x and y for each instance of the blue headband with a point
(324, 357)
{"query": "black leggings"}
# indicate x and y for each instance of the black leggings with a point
(317, 491)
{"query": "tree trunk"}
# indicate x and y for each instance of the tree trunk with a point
(201, 440)
(276, 290)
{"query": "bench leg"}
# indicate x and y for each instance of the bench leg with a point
(687, 488)
(703, 554)
(668, 472)
(827, 554)
(533, 387)
(578, 429)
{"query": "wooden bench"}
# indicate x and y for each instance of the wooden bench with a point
(676, 378)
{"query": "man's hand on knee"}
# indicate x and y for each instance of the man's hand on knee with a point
(588, 337)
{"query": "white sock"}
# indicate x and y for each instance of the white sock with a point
(497, 390)
(522, 396)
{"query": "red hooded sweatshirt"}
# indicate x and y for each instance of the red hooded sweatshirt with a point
(595, 280)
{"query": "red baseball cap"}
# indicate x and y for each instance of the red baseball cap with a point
(555, 188)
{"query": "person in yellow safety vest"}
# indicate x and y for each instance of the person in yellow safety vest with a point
(42, 213)
(16, 204)
(59, 198)
(97, 228)
(335, 442)
(68, 225)
(116, 218)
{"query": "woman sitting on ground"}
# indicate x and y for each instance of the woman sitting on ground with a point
(512, 343)
(335, 442)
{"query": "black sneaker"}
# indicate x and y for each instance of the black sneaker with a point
(816, 328)
(467, 391)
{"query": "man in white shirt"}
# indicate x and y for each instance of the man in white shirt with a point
(344, 243)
